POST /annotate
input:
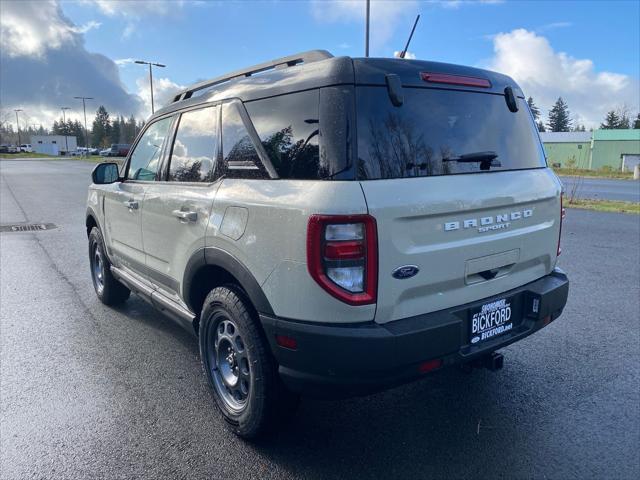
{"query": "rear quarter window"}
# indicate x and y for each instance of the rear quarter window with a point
(432, 125)
(289, 130)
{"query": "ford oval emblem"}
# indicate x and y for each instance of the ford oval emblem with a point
(406, 271)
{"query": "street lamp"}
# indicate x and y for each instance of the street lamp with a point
(142, 62)
(18, 125)
(86, 132)
(64, 122)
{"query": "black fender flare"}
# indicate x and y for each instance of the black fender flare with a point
(219, 258)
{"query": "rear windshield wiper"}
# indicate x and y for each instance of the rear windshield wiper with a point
(486, 159)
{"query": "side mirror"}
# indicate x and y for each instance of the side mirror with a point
(105, 173)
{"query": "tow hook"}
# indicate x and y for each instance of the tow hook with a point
(494, 361)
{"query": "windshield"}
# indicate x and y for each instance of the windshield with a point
(442, 132)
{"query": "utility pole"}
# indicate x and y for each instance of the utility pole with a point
(64, 122)
(18, 125)
(86, 132)
(143, 62)
(366, 29)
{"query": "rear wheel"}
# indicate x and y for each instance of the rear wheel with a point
(109, 290)
(242, 374)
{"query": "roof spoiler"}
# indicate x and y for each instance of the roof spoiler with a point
(284, 62)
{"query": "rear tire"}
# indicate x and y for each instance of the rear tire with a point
(238, 364)
(109, 290)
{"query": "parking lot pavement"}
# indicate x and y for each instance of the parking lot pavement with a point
(93, 392)
(603, 188)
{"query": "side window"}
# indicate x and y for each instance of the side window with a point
(195, 148)
(145, 159)
(288, 127)
(241, 159)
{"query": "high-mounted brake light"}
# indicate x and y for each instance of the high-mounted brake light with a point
(563, 213)
(455, 79)
(342, 256)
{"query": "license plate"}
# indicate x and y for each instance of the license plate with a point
(490, 320)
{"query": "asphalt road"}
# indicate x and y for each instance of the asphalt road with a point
(603, 188)
(92, 392)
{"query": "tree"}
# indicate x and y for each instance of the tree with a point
(101, 128)
(541, 126)
(617, 119)
(559, 117)
(535, 111)
(636, 122)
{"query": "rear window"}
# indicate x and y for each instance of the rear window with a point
(436, 125)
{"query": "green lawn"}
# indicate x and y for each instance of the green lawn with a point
(604, 205)
(26, 155)
(578, 172)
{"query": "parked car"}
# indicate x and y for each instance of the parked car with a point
(4, 149)
(26, 147)
(335, 226)
(12, 149)
(105, 152)
(117, 150)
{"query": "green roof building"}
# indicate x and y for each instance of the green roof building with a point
(614, 149)
(567, 149)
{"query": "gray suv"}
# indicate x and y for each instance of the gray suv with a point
(332, 226)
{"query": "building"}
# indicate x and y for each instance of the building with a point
(53, 144)
(567, 149)
(613, 149)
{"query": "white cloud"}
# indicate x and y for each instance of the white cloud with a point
(546, 74)
(121, 62)
(163, 91)
(386, 16)
(45, 64)
(407, 56)
(554, 25)
(86, 27)
(30, 28)
(135, 8)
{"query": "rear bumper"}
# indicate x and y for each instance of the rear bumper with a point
(344, 360)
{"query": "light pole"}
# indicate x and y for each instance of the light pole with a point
(64, 122)
(142, 62)
(18, 125)
(86, 132)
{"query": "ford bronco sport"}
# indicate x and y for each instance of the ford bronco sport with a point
(332, 226)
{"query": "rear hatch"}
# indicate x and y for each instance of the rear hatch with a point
(465, 206)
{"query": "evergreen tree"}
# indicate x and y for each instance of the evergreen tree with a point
(541, 126)
(636, 122)
(625, 121)
(535, 111)
(559, 117)
(611, 121)
(101, 128)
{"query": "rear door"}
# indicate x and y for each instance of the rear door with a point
(176, 209)
(461, 194)
(123, 203)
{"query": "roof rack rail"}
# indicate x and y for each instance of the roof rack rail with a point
(289, 61)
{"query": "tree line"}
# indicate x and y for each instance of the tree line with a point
(559, 118)
(103, 130)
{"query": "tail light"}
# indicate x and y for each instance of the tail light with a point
(342, 256)
(563, 213)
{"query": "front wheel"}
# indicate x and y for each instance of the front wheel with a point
(109, 290)
(242, 374)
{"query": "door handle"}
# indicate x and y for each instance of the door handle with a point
(186, 216)
(131, 204)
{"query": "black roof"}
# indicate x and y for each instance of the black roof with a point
(318, 68)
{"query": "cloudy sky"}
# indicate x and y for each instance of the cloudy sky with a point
(588, 52)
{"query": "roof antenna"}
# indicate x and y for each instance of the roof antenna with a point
(404, 52)
(366, 30)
